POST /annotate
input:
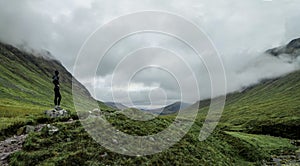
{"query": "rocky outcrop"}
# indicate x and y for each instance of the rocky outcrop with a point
(14, 143)
(56, 113)
(10, 146)
(292, 50)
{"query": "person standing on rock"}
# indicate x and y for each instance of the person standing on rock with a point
(57, 95)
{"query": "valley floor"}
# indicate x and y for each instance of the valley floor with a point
(71, 145)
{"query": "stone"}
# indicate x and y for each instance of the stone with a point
(292, 157)
(151, 139)
(29, 129)
(9, 146)
(58, 108)
(298, 154)
(95, 112)
(103, 155)
(39, 127)
(4, 156)
(124, 150)
(55, 113)
(276, 160)
(13, 141)
(52, 129)
(10, 141)
(115, 141)
(21, 130)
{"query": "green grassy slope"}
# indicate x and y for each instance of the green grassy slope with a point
(73, 146)
(241, 138)
(272, 107)
(26, 88)
(27, 79)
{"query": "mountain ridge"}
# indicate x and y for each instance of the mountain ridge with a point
(292, 49)
(26, 89)
(256, 125)
(169, 109)
(116, 105)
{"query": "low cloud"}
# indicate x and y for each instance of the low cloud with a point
(240, 30)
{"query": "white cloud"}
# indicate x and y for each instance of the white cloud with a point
(240, 30)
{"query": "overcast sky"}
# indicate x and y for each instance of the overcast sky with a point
(241, 30)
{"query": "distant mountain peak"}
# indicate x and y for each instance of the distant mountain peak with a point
(170, 109)
(116, 105)
(292, 49)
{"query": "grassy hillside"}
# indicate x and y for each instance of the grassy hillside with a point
(272, 107)
(256, 123)
(26, 88)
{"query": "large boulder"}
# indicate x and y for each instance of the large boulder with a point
(56, 113)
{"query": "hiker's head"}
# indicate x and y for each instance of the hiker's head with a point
(56, 72)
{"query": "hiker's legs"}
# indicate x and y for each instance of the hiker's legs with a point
(59, 98)
(55, 98)
(55, 101)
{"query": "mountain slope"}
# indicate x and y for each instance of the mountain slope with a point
(115, 105)
(244, 136)
(272, 107)
(292, 49)
(170, 109)
(26, 88)
(241, 138)
(28, 79)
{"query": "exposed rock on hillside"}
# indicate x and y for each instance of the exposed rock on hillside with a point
(292, 49)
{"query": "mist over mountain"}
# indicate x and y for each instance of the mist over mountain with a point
(116, 105)
(289, 52)
(62, 27)
(141, 80)
(169, 109)
(262, 120)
